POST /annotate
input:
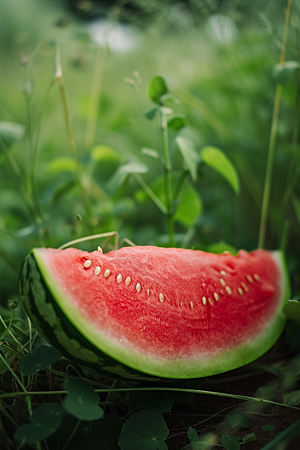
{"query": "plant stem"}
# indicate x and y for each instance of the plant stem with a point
(169, 389)
(94, 101)
(273, 135)
(151, 194)
(167, 174)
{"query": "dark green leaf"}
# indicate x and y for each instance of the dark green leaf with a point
(177, 122)
(150, 152)
(103, 435)
(216, 159)
(82, 401)
(39, 358)
(145, 430)
(156, 89)
(292, 310)
(268, 427)
(45, 420)
(158, 401)
(122, 173)
(189, 154)
(10, 132)
(192, 434)
(237, 418)
(282, 439)
(151, 113)
(293, 398)
(230, 443)
(248, 438)
(282, 73)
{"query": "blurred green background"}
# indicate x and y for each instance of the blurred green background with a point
(217, 58)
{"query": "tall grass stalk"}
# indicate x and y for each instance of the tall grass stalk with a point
(273, 136)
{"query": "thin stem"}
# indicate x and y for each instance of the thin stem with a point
(167, 174)
(273, 136)
(169, 389)
(71, 435)
(94, 101)
(63, 94)
(151, 194)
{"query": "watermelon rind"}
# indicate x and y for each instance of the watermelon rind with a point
(74, 336)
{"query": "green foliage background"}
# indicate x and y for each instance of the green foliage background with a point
(217, 60)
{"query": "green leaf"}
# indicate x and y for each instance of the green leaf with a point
(10, 132)
(103, 435)
(282, 439)
(248, 438)
(216, 159)
(193, 435)
(230, 443)
(62, 164)
(151, 113)
(122, 173)
(268, 427)
(39, 358)
(105, 153)
(282, 73)
(293, 398)
(159, 401)
(156, 89)
(292, 310)
(82, 401)
(221, 247)
(237, 418)
(145, 430)
(177, 122)
(45, 420)
(189, 154)
(189, 208)
(150, 152)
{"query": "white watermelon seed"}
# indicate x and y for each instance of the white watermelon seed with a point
(210, 301)
(107, 273)
(223, 273)
(119, 278)
(249, 278)
(192, 305)
(97, 270)
(87, 263)
(222, 282)
(148, 292)
(128, 281)
(228, 290)
(204, 300)
(240, 291)
(257, 277)
(161, 297)
(100, 249)
(245, 286)
(216, 296)
(180, 304)
(138, 287)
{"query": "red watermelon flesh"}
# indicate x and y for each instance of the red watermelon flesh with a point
(162, 310)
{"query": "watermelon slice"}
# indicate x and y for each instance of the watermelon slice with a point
(150, 312)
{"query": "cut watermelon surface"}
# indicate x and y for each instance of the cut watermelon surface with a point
(143, 312)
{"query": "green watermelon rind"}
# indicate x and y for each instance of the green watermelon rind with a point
(106, 356)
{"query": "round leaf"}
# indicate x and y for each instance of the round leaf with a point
(39, 358)
(156, 89)
(216, 159)
(82, 401)
(145, 430)
(189, 208)
(176, 123)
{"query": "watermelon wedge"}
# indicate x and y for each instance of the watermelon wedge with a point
(150, 312)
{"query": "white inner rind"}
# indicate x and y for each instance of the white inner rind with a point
(201, 365)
